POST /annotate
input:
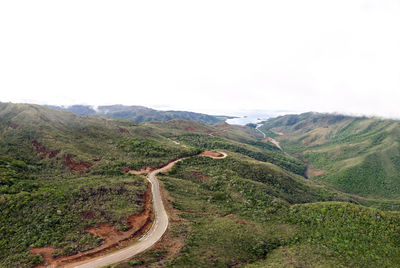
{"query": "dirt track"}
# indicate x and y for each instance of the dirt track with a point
(159, 227)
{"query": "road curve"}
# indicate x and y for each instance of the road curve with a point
(157, 230)
(159, 227)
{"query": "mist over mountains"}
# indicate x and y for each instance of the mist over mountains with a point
(140, 114)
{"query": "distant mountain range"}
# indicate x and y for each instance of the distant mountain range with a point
(140, 114)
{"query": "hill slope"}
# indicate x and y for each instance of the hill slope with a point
(64, 191)
(74, 167)
(61, 174)
(360, 155)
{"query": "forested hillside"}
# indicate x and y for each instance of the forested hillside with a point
(140, 114)
(71, 184)
(358, 155)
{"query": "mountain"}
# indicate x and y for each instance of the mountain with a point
(358, 155)
(71, 185)
(140, 114)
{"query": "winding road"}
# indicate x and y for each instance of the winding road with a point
(257, 128)
(157, 230)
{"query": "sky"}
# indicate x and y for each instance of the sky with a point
(205, 56)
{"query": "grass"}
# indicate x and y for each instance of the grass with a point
(360, 155)
(333, 234)
(298, 256)
(257, 150)
(235, 220)
(44, 203)
(252, 208)
(356, 236)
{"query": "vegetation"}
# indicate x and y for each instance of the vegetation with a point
(141, 114)
(257, 150)
(361, 155)
(61, 173)
(356, 236)
(54, 214)
(236, 220)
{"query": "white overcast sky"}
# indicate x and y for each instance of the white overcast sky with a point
(207, 56)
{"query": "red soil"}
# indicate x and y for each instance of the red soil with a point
(139, 223)
(41, 149)
(79, 167)
(172, 242)
(46, 252)
(211, 154)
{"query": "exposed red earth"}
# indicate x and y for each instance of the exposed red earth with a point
(45, 152)
(79, 167)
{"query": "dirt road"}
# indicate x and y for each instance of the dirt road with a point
(159, 227)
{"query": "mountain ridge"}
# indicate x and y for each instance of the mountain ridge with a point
(360, 154)
(140, 114)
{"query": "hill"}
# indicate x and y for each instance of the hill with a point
(71, 184)
(62, 173)
(140, 114)
(74, 167)
(358, 155)
(242, 212)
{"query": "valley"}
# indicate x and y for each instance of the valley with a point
(72, 187)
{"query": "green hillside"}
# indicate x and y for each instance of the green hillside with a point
(56, 166)
(74, 164)
(62, 174)
(242, 212)
(360, 155)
